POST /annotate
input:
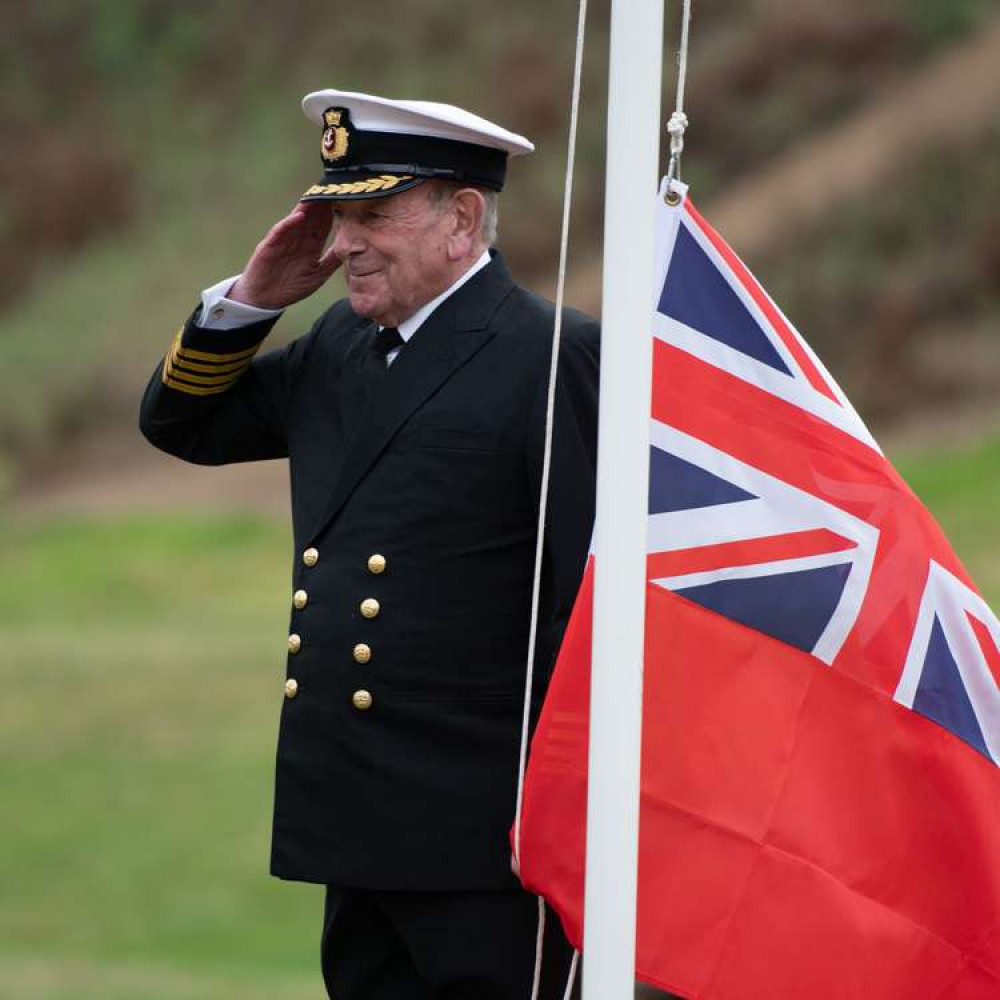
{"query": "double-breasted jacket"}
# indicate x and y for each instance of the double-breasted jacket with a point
(415, 498)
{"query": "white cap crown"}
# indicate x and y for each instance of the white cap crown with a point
(428, 118)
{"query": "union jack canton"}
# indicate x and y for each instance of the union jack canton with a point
(787, 517)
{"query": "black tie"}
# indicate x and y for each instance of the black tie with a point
(386, 340)
(376, 359)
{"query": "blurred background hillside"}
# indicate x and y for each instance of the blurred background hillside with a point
(850, 152)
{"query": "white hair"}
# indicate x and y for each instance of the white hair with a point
(440, 190)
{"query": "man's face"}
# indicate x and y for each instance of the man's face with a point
(395, 252)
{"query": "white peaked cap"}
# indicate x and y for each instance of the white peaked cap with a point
(444, 121)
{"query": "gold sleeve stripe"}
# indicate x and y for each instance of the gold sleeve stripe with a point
(181, 369)
(193, 366)
(191, 390)
(187, 352)
(190, 367)
(218, 374)
(193, 355)
(175, 372)
(202, 381)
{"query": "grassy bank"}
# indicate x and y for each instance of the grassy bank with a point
(962, 488)
(141, 670)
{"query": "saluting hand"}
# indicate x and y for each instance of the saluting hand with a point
(289, 263)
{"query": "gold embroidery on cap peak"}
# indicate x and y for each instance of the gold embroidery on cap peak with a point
(381, 183)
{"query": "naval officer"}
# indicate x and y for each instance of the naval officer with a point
(412, 415)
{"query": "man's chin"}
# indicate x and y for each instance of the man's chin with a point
(366, 306)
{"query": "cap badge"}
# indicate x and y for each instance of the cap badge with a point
(335, 135)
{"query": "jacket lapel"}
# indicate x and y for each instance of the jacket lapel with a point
(454, 332)
(351, 396)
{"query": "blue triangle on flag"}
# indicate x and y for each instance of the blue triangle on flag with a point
(794, 607)
(941, 695)
(675, 484)
(696, 294)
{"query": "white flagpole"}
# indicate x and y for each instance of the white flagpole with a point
(633, 133)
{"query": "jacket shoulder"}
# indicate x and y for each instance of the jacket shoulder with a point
(536, 316)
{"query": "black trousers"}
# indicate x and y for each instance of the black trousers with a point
(440, 946)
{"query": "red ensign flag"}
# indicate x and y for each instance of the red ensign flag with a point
(820, 796)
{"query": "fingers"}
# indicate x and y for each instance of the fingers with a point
(319, 212)
(329, 262)
(281, 238)
(291, 262)
(283, 227)
(317, 219)
(305, 229)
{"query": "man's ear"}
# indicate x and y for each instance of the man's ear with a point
(469, 207)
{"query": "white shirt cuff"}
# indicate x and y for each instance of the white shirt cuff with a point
(220, 313)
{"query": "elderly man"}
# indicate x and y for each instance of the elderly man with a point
(413, 416)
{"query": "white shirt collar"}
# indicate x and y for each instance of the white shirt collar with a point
(411, 324)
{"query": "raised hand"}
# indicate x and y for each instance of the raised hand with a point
(289, 263)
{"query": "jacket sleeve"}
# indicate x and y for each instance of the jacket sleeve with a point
(212, 401)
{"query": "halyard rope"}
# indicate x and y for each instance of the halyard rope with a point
(549, 412)
(678, 120)
(546, 466)
(571, 978)
(539, 947)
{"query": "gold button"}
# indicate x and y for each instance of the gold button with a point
(370, 607)
(291, 688)
(376, 564)
(362, 700)
(362, 652)
(300, 599)
(294, 643)
(310, 557)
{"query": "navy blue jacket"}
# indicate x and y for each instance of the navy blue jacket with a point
(437, 470)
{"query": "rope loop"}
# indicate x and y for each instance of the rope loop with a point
(676, 126)
(678, 120)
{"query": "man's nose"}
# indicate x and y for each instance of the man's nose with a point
(347, 238)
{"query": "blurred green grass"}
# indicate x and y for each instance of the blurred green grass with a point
(141, 669)
(961, 487)
(142, 672)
